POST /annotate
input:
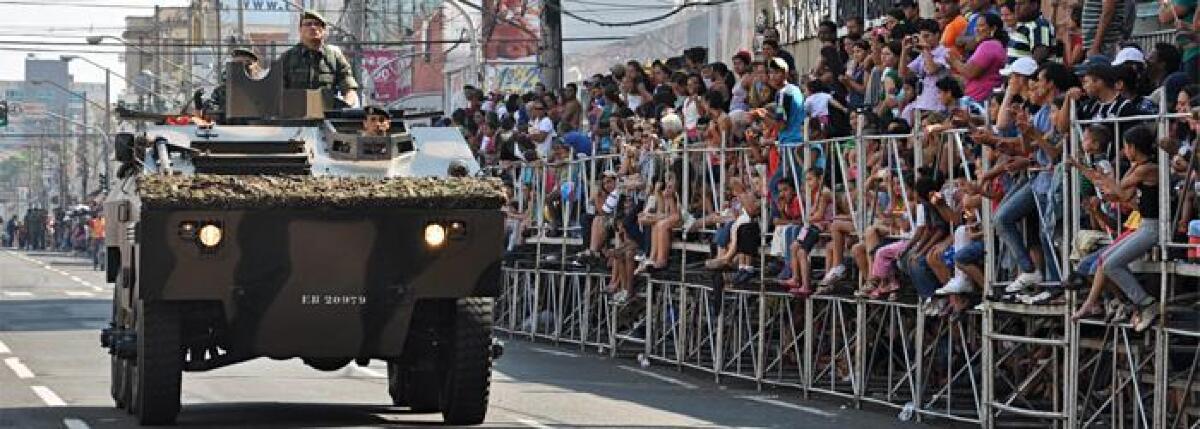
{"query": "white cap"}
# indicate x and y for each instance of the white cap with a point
(1023, 66)
(1129, 54)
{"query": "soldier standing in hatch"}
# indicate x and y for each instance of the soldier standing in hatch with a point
(314, 64)
(249, 60)
(377, 122)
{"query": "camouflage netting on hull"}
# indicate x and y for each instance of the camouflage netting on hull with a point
(285, 192)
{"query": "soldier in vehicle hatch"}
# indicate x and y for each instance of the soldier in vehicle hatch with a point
(376, 122)
(314, 64)
(249, 60)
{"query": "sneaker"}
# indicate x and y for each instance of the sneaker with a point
(956, 285)
(1040, 297)
(785, 273)
(836, 273)
(743, 276)
(620, 297)
(1024, 280)
(640, 257)
(1147, 315)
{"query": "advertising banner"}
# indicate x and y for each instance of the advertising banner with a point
(389, 74)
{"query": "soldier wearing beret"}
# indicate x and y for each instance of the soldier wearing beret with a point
(249, 60)
(376, 122)
(314, 64)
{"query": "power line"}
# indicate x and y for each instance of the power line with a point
(646, 20)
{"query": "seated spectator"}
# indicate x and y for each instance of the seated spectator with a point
(621, 261)
(1139, 186)
(670, 217)
(820, 215)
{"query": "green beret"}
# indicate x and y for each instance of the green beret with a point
(377, 110)
(312, 14)
(243, 52)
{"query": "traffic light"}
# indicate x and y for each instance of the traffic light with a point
(3, 113)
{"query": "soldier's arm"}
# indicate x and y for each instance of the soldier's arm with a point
(346, 81)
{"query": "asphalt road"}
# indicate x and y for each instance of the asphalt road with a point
(54, 374)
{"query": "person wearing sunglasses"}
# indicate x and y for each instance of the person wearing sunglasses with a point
(315, 64)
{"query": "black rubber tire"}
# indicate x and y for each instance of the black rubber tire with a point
(119, 386)
(469, 363)
(157, 376)
(397, 388)
(424, 390)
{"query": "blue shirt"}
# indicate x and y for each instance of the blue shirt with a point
(1041, 121)
(791, 100)
(579, 142)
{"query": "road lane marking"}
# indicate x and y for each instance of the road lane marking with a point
(78, 293)
(772, 401)
(554, 352)
(16, 366)
(18, 293)
(97, 288)
(48, 396)
(533, 423)
(658, 376)
(76, 279)
(75, 424)
(4, 349)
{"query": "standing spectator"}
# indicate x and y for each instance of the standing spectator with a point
(930, 66)
(1033, 36)
(788, 100)
(741, 71)
(982, 70)
(771, 50)
(975, 11)
(912, 12)
(950, 17)
(1104, 23)
(855, 77)
(572, 110)
(541, 128)
(1008, 15)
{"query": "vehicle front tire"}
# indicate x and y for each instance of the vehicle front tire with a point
(159, 369)
(469, 363)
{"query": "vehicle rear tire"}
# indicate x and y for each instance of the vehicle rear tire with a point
(424, 390)
(119, 385)
(397, 388)
(469, 363)
(157, 376)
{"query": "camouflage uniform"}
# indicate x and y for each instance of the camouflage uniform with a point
(328, 68)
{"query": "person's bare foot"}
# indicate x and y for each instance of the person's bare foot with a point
(1087, 310)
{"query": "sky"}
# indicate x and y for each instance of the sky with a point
(58, 21)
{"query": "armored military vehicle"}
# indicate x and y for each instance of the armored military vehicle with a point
(289, 235)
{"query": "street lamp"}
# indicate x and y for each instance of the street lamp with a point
(97, 39)
(83, 139)
(86, 126)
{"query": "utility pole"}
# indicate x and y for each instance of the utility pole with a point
(241, 10)
(220, 59)
(158, 48)
(84, 168)
(551, 52)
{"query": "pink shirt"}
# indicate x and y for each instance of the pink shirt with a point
(990, 57)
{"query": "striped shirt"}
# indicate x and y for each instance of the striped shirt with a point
(1028, 35)
(1091, 21)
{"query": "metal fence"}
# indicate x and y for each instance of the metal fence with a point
(995, 364)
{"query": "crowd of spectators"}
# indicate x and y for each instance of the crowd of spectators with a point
(687, 149)
(78, 230)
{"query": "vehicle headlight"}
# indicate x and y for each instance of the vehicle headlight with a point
(210, 235)
(435, 235)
